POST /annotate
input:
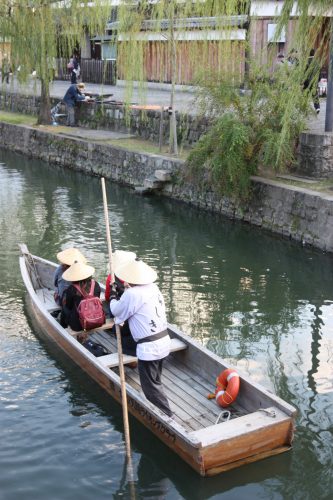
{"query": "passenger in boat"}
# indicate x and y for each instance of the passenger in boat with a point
(143, 306)
(77, 274)
(66, 258)
(119, 258)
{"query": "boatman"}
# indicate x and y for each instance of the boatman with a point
(142, 304)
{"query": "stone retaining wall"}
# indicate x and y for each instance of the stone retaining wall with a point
(145, 124)
(300, 214)
(315, 157)
(126, 167)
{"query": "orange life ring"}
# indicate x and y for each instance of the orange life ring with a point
(227, 387)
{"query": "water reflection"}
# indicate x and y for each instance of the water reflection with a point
(263, 303)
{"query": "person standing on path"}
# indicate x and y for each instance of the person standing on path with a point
(312, 76)
(75, 73)
(142, 304)
(5, 69)
(73, 95)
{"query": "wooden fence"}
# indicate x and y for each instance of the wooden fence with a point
(92, 71)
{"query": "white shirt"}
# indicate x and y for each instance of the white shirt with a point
(143, 306)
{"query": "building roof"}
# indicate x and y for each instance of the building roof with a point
(188, 22)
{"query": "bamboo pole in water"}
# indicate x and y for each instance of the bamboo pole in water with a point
(118, 334)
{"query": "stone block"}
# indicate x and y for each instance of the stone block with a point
(162, 175)
(152, 183)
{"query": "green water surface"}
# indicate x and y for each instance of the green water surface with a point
(261, 302)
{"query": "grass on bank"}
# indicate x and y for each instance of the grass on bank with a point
(17, 118)
(144, 146)
(141, 145)
(136, 144)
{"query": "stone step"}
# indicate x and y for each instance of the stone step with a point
(163, 175)
(297, 178)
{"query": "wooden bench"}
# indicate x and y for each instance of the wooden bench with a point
(107, 326)
(112, 360)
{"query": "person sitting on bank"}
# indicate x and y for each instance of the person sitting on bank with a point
(74, 94)
(66, 258)
(142, 304)
(79, 274)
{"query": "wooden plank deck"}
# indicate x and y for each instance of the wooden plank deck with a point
(187, 392)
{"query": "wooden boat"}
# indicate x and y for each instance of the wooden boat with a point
(261, 424)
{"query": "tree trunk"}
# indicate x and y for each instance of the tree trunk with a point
(44, 115)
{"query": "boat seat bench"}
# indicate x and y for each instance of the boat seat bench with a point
(107, 326)
(112, 360)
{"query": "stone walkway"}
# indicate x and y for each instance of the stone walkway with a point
(90, 135)
(316, 123)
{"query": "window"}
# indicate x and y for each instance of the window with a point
(109, 50)
(271, 29)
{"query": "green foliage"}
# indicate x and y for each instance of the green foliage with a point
(257, 128)
(222, 157)
(37, 31)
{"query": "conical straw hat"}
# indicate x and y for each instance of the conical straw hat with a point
(137, 273)
(120, 258)
(78, 271)
(70, 255)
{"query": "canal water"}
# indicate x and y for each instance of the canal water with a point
(263, 303)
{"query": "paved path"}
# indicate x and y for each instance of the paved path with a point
(316, 123)
(155, 94)
(91, 135)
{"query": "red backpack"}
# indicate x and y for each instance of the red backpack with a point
(90, 309)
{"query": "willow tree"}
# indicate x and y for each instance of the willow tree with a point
(260, 129)
(200, 31)
(41, 30)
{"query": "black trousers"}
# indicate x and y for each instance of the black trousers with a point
(73, 77)
(150, 378)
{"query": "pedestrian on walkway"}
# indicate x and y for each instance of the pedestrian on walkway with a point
(75, 69)
(74, 94)
(312, 76)
(5, 69)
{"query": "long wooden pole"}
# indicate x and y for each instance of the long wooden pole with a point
(118, 334)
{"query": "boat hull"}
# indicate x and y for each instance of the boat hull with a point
(157, 425)
(209, 451)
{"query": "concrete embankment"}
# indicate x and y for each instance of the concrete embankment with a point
(297, 213)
